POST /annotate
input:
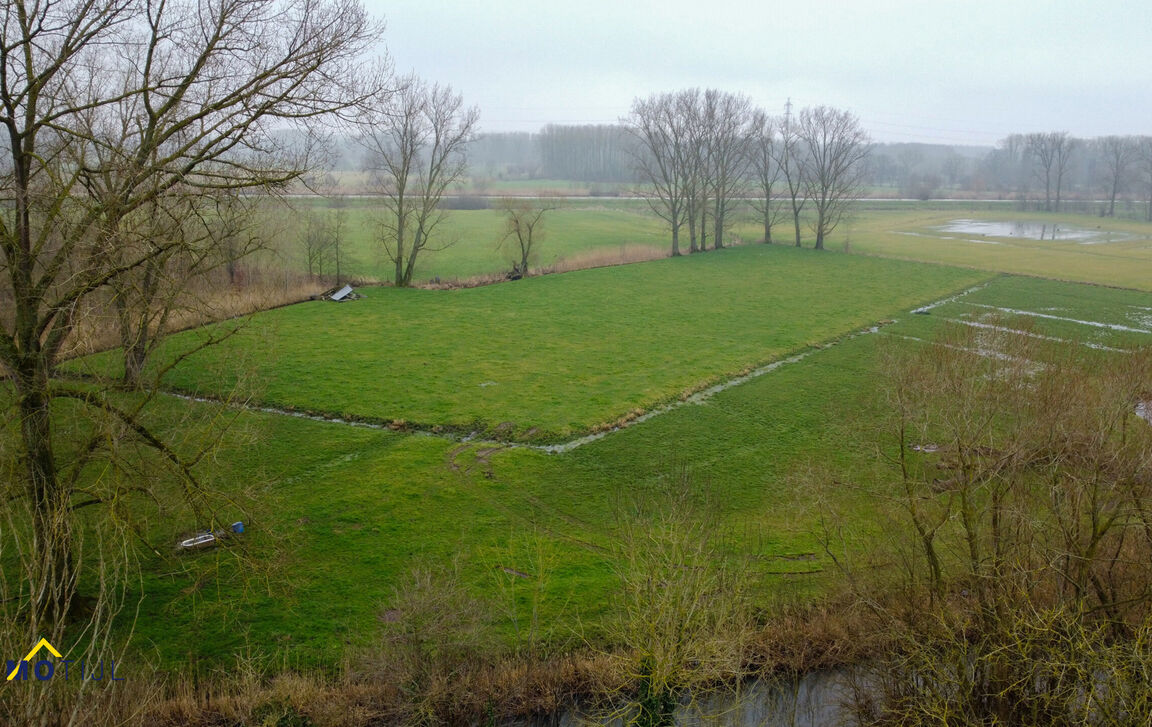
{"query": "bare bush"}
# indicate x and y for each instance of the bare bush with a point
(684, 612)
(1022, 477)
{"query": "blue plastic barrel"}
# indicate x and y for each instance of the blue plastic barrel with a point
(237, 527)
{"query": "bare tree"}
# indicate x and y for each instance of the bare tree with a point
(524, 227)
(1020, 488)
(1144, 156)
(954, 167)
(1120, 153)
(910, 158)
(202, 233)
(837, 148)
(1051, 152)
(316, 239)
(765, 169)
(728, 154)
(679, 591)
(204, 84)
(694, 151)
(339, 205)
(696, 112)
(1009, 164)
(791, 156)
(660, 156)
(416, 150)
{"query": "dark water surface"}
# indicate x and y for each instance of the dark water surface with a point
(818, 699)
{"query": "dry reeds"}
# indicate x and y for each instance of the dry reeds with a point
(207, 300)
(483, 686)
(605, 257)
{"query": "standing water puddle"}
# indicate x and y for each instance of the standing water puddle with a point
(1034, 231)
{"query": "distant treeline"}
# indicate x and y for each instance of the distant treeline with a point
(584, 153)
(1049, 169)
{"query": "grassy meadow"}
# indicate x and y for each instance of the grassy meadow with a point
(586, 228)
(548, 357)
(916, 235)
(339, 516)
(342, 519)
(471, 238)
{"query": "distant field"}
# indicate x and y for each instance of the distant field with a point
(908, 230)
(547, 357)
(338, 514)
(916, 235)
(585, 226)
(350, 182)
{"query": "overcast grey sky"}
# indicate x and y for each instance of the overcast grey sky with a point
(944, 71)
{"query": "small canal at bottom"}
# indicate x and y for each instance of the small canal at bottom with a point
(817, 699)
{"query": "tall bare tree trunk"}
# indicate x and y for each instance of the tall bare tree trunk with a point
(52, 580)
(399, 278)
(135, 335)
(692, 246)
(718, 226)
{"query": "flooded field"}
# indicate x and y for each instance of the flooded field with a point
(1032, 231)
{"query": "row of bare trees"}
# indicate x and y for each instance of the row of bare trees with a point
(701, 152)
(1127, 164)
(1056, 160)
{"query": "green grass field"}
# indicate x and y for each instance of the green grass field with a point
(339, 515)
(903, 230)
(915, 235)
(473, 238)
(548, 357)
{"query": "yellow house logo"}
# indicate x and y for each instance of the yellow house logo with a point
(43, 669)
